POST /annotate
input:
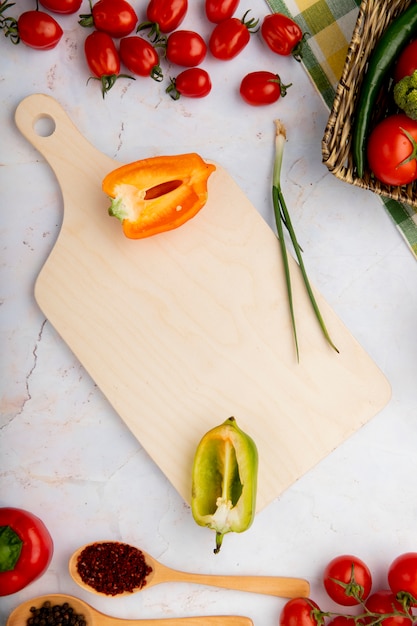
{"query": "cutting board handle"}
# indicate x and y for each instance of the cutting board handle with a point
(63, 146)
(37, 107)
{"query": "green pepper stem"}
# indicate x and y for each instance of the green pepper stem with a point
(219, 541)
(10, 548)
(282, 217)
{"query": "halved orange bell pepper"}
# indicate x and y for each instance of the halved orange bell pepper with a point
(157, 194)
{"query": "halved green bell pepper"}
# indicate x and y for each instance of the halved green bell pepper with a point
(224, 480)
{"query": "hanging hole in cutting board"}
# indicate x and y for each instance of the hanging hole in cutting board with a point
(44, 126)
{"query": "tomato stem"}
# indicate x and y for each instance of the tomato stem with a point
(107, 81)
(87, 19)
(172, 90)
(372, 619)
(9, 24)
(154, 34)
(283, 88)
(297, 51)
(252, 24)
(413, 142)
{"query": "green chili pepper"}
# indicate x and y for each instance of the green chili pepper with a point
(387, 49)
(224, 480)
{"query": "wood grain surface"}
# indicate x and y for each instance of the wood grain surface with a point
(184, 329)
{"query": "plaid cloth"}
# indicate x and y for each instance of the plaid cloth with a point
(330, 25)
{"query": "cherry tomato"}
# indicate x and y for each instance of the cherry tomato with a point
(299, 612)
(102, 59)
(407, 62)
(39, 30)
(282, 35)
(192, 83)
(219, 10)
(117, 18)
(230, 37)
(384, 601)
(61, 6)
(402, 576)
(389, 147)
(26, 549)
(186, 48)
(347, 580)
(166, 14)
(342, 620)
(262, 87)
(140, 57)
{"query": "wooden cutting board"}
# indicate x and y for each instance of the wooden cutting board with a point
(184, 329)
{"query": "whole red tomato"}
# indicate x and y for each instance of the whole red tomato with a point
(402, 576)
(258, 88)
(65, 7)
(299, 612)
(186, 48)
(103, 59)
(282, 35)
(192, 83)
(407, 62)
(26, 549)
(347, 580)
(382, 602)
(39, 30)
(219, 10)
(391, 150)
(140, 57)
(167, 15)
(230, 37)
(117, 18)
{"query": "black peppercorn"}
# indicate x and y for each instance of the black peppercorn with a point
(57, 615)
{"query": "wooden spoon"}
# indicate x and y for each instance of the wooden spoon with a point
(269, 585)
(20, 615)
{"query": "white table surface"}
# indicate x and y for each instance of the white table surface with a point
(66, 456)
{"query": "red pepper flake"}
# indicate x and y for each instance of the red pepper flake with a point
(112, 567)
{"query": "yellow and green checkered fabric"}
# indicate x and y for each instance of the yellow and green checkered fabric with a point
(330, 25)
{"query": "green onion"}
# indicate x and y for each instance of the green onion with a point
(282, 218)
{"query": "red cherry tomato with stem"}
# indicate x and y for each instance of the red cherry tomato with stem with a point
(26, 549)
(392, 150)
(402, 577)
(282, 35)
(384, 602)
(231, 36)
(347, 580)
(117, 18)
(186, 48)
(406, 63)
(36, 29)
(300, 612)
(140, 57)
(64, 7)
(193, 83)
(261, 87)
(220, 10)
(103, 59)
(164, 16)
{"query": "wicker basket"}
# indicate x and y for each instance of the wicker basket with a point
(373, 19)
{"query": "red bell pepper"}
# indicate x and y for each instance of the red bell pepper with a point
(26, 549)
